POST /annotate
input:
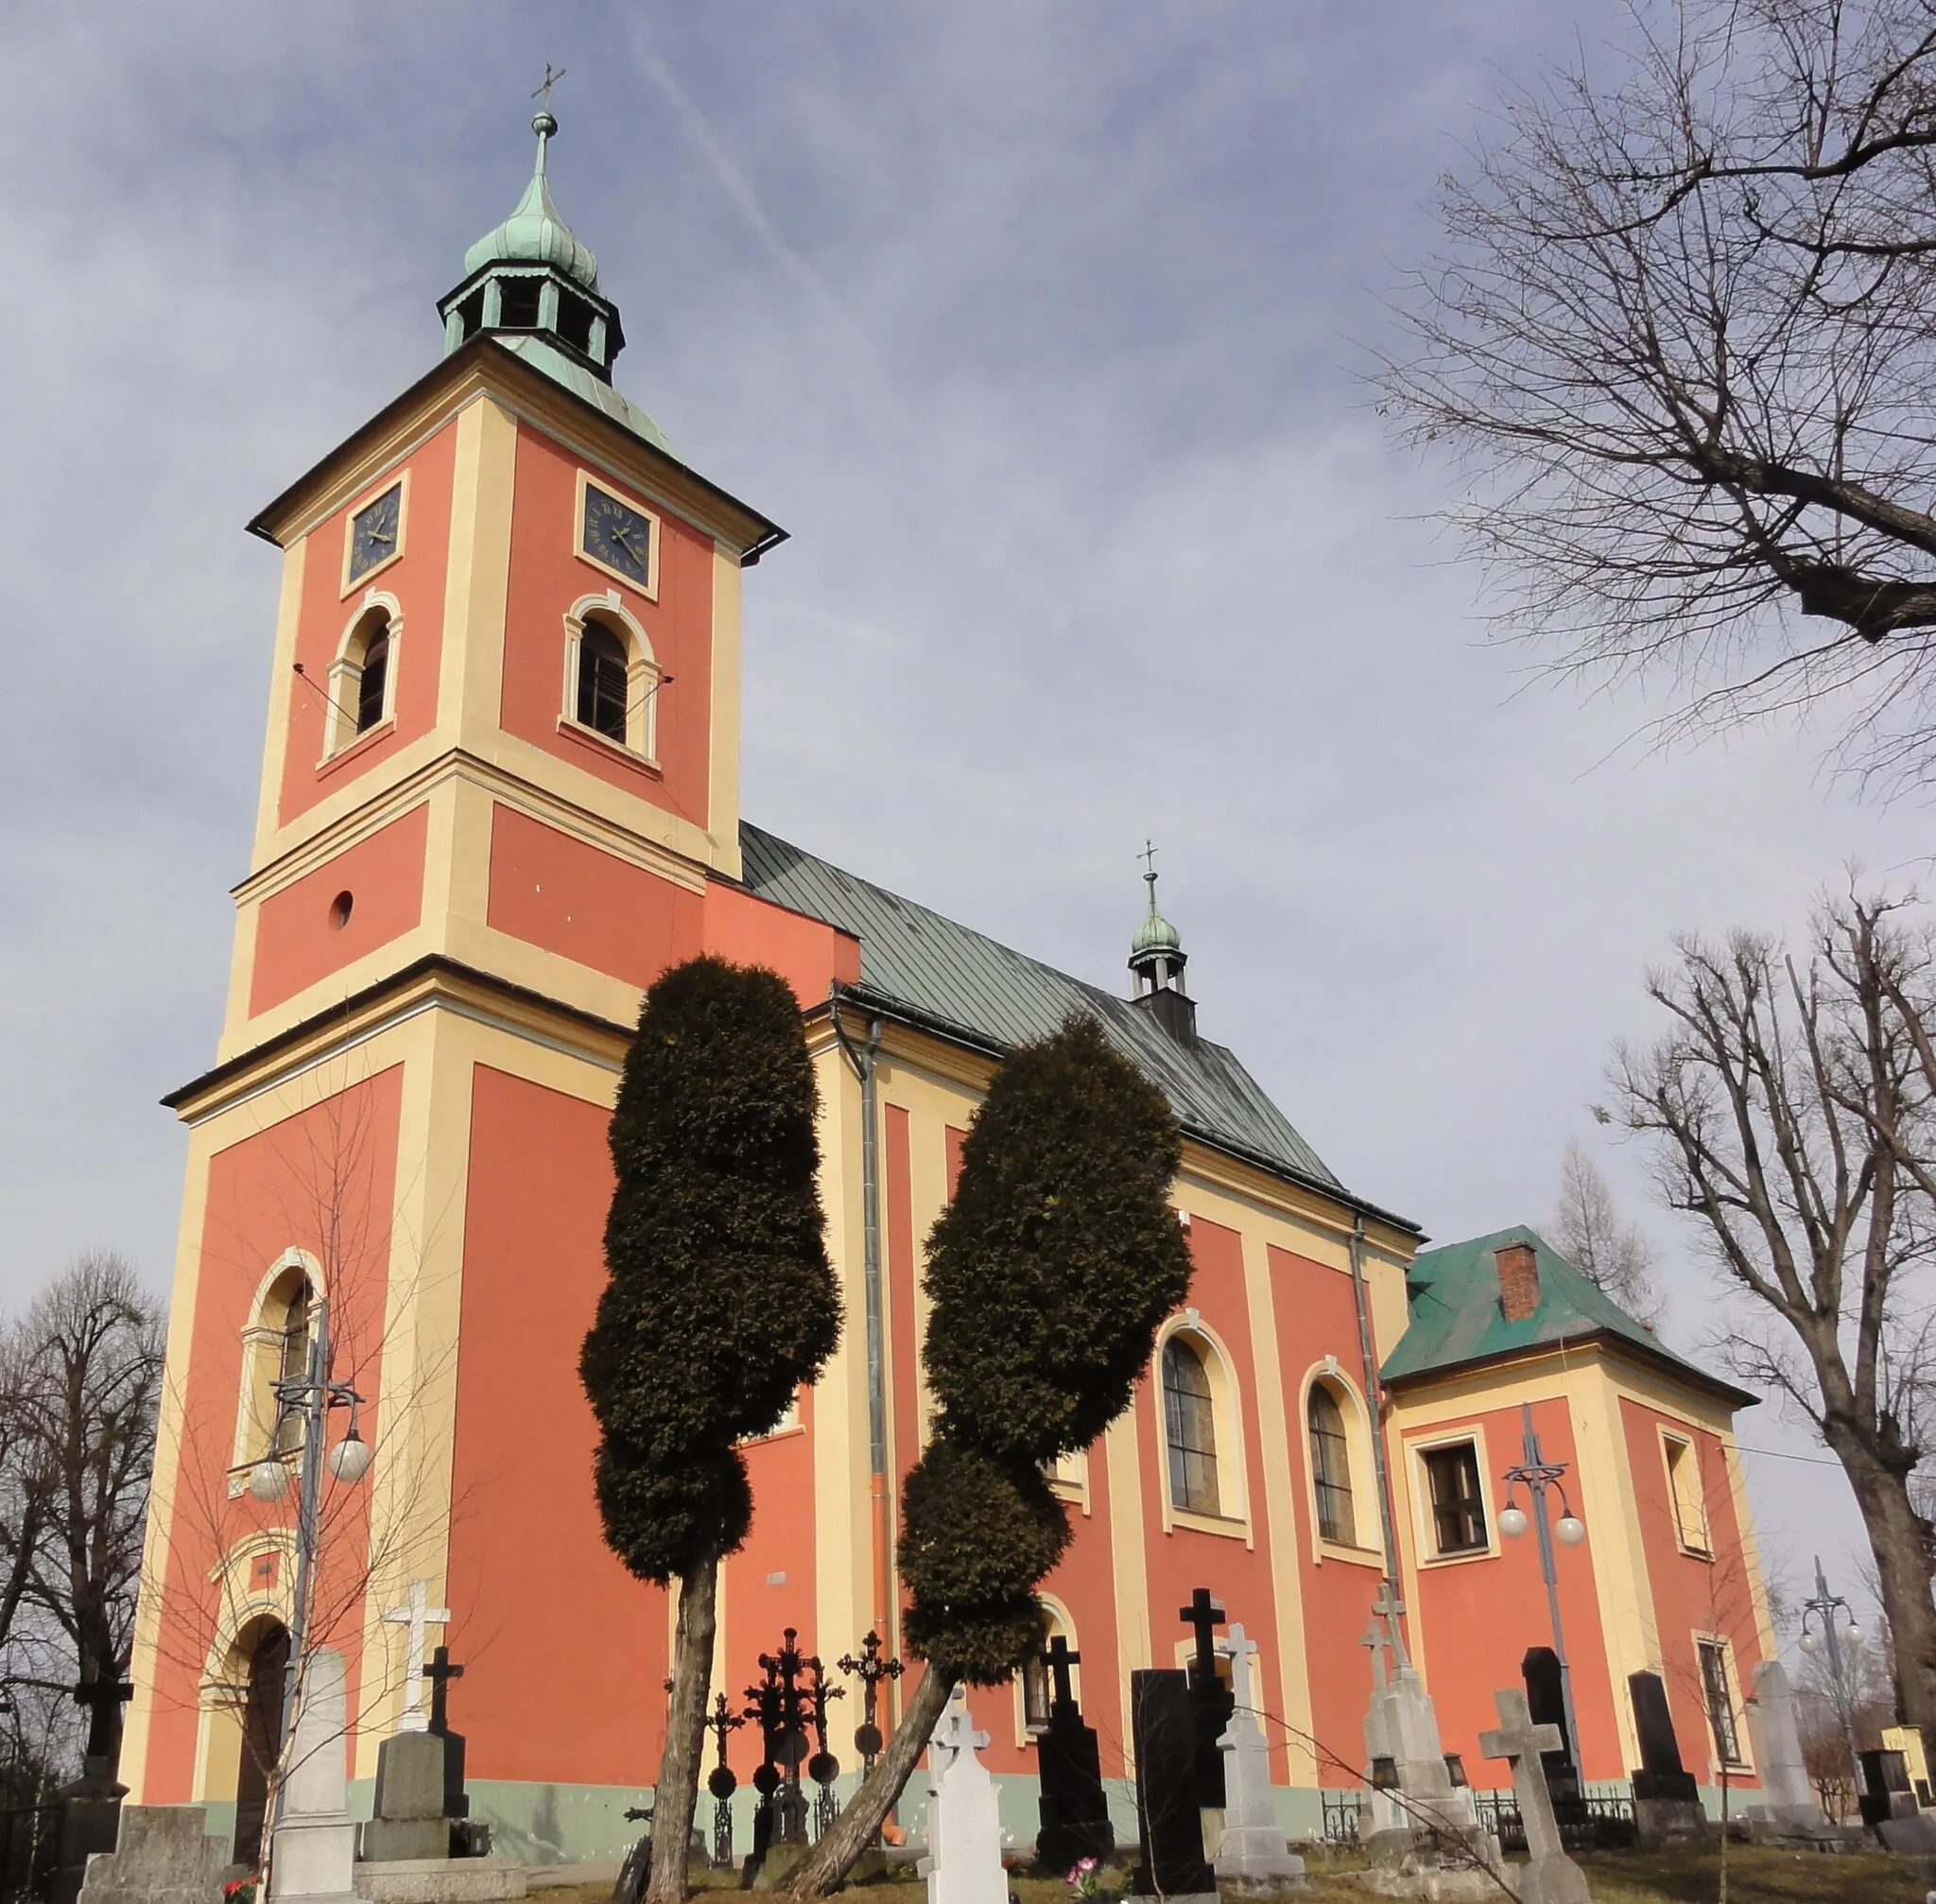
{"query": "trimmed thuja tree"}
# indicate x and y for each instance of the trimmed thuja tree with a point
(1046, 1279)
(719, 1304)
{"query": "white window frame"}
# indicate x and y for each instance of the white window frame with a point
(346, 675)
(644, 678)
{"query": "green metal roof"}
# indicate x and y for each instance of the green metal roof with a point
(582, 383)
(969, 987)
(1456, 1317)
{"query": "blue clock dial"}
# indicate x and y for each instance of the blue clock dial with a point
(373, 531)
(620, 537)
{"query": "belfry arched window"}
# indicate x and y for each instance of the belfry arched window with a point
(603, 682)
(373, 677)
(1189, 1427)
(1330, 1467)
(288, 1312)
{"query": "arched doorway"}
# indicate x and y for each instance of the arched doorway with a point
(262, 1736)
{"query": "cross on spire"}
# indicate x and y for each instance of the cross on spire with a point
(542, 90)
(1147, 856)
(440, 1672)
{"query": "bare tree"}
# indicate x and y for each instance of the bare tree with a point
(1678, 336)
(1791, 1118)
(1587, 1230)
(84, 1402)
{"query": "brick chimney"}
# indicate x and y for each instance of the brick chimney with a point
(1519, 1280)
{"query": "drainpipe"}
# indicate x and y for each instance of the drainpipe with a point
(1369, 1364)
(862, 1060)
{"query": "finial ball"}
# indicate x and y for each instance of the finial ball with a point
(544, 125)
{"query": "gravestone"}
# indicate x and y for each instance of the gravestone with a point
(1073, 1807)
(964, 1864)
(1787, 1797)
(1210, 1699)
(315, 1840)
(1666, 1801)
(1887, 1792)
(467, 1839)
(409, 1821)
(1253, 1852)
(1908, 1741)
(1546, 1699)
(162, 1855)
(91, 1806)
(1162, 1727)
(1550, 1876)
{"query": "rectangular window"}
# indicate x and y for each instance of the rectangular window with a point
(1458, 1514)
(1721, 1700)
(1689, 1497)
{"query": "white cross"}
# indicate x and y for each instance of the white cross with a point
(1239, 1649)
(417, 1615)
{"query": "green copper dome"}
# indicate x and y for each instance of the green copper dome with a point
(534, 234)
(1155, 934)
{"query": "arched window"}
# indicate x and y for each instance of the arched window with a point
(1330, 1467)
(602, 681)
(1189, 1424)
(294, 1296)
(373, 676)
(1037, 1680)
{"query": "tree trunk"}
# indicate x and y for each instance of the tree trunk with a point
(678, 1788)
(1899, 1538)
(821, 1870)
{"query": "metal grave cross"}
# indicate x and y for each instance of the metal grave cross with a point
(440, 1672)
(416, 1614)
(1204, 1615)
(1061, 1656)
(1389, 1608)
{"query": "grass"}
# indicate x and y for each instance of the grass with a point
(1755, 1875)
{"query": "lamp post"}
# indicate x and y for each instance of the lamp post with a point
(309, 1399)
(1538, 1475)
(1824, 1607)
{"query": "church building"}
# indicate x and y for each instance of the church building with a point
(499, 795)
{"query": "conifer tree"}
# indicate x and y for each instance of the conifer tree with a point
(1046, 1279)
(720, 1304)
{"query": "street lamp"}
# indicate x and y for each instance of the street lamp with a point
(1539, 1475)
(1831, 1609)
(309, 1399)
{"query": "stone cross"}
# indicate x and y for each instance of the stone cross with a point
(1553, 1876)
(1060, 1658)
(102, 1697)
(964, 1831)
(416, 1614)
(1239, 1649)
(1253, 1850)
(1374, 1638)
(440, 1672)
(1389, 1607)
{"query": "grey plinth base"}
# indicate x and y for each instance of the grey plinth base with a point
(1253, 1887)
(160, 1856)
(439, 1880)
(1181, 1897)
(1913, 1837)
(781, 1856)
(1403, 1866)
(1670, 1821)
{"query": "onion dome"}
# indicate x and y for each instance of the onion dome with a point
(1156, 950)
(534, 234)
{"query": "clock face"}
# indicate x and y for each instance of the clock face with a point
(618, 537)
(373, 531)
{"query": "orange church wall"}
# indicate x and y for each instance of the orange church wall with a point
(311, 1181)
(557, 892)
(1185, 1558)
(810, 955)
(1316, 1317)
(903, 1350)
(1085, 1581)
(547, 576)
(756, 1606)
(295, 942)
(1692, 1595)
(566, 1651)
(1480, 1617)
(416, 578)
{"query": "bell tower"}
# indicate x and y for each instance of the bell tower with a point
(499, 795)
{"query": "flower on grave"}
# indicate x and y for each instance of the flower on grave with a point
(239, 1891)
(1083, 1879)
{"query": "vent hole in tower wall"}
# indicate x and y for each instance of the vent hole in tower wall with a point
(339, 909)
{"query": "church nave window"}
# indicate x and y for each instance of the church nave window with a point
(1189, 1426)
(1331, 1467)
(1458, 1512)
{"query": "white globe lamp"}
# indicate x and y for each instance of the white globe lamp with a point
(348, 1461)
(1811, 1644)
(1512, 1522)
(1853, 1635)
(1571, 1529)
(268, 1481)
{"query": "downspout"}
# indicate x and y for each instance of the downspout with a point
(862, 1060)
(1368, 1362)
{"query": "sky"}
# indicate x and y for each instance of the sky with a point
(1043, 329)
